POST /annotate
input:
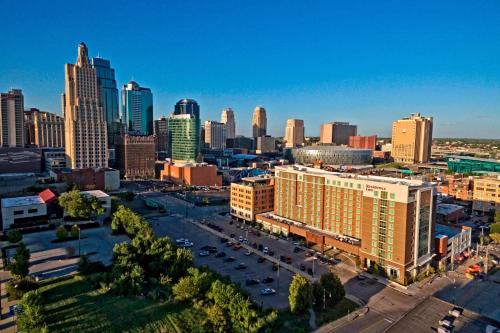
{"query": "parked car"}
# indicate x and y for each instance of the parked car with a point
(240, 238)
(229, 244)
(456, 311)
(251, 282)
(232, 235)
(248, 253)
(268, 280)
(181, 240)
(261, 260)
(267, 291)
(213, 249)
(446, 321)
(288, 260)
(187, 244)
(241, 266)
(310, 271)
(266, 249)
(220, 255)
(302, 267)
(229, 259)
(237, 246)
(204, 254)
(360, 277)
(271, 252)
(260, 247)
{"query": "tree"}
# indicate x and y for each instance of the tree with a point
(126, 220)
(218, 319)
(193, 286)
(77, 205)
(497, 216)
(14, 236)
(328, 289)
(300, 297)
(495, 227)
(31, 316)
(495, 237)
(83, 264)
(20, 266)
(61, 232)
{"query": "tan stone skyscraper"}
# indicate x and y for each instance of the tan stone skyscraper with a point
(259, 122)
(227, 117)
(84, 124)
(412, 139)
(294, 133)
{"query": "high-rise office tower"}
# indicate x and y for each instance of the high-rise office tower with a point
(337, 133)
(184, 137)
(215, 134)
(187, 106)
(84, 122)
(106, 85)
(294, 133)
(160, 130)
(259, 122)
(137, 104)
(412, 139)
(12, 118)
(43, 129)
(227, 117)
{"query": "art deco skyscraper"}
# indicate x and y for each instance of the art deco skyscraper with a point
(259, 122)
(294, 133)
(84, 123)
(12, 118)
(227, 117)
(412, 139)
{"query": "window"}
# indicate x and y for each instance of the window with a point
(32, 210)
(375, 193)
(18, 212)
(392, 196)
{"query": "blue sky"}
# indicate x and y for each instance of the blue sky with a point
(366, 62)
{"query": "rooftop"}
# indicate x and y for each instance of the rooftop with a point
(445, 209)
(444, 230)
(96, 193)
(321, 172)
(22, 201)
(451, 158)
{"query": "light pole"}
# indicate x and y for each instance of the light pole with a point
(278, 277)
(79, 245)
(324, 298)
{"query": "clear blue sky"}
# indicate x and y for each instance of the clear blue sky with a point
(367, 62)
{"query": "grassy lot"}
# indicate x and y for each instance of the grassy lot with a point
(73, 305)
(340, 309)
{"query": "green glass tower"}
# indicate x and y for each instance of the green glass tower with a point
(184, 137)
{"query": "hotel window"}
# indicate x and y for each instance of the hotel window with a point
(351, 185)
(345, 184)
(389, 240)
(391, 233)
(375, 193)
(392, 196)
(389, 256)
(392, 203)
(359, 186)
(391, 211)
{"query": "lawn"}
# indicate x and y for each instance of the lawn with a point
(340, 309)
(73, 305)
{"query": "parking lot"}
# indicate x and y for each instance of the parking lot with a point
(176, 228)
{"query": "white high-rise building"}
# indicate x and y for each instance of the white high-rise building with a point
(84, 123)
(227, 117)
(215, 134)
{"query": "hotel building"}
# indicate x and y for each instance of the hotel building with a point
(486, 194)
(385, 221)
(251, 196)
(412, 139)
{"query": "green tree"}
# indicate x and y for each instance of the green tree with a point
(32, 314)
(126, 220)
(300, 298)
(218, 319)
(328, 289)
(495, 237)
(193, 286)
(14, 236)
(497, 217)
(61, 232)
(75, 231)
(83, 264)
(77, 205)
(20, 265)
(495, 227)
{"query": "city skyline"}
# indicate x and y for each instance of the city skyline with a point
(389, 65)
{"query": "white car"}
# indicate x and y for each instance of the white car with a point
(248, 253)
(267, 291)
(204, 254)
(240, 238)
(266, 249)
(187, 244)
(181, 240)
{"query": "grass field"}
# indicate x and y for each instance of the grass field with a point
(72, 305)
(340, 309)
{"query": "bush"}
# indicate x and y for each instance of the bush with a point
(16, 289)
(75, 231)
(32, 314)
(14, 236)
(300, 297)
(19, 267)
(61, 232)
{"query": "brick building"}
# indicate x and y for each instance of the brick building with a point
(251, 196)
(364, 142)
(194, 174)
(135, 156)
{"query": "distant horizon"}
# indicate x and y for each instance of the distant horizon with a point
(366, 64)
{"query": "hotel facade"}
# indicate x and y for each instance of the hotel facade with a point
(385, 221)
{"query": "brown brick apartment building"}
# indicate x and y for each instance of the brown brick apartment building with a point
(251, 196)
(383, 220)
(135, 156)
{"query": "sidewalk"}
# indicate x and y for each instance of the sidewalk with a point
(7, 322)
(330, 327)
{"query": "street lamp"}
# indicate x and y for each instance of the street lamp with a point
(324, 298)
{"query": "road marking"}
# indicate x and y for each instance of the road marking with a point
(387, 320)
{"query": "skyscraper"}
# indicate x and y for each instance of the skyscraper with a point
(412, 139)
(227, 117)
(43, 129)
(137, 103)
(84, 123)
(259, 122)
(184, 137)
(294, 133)
(187, 106)
(106, 85)
(337, 133)
(160, 130)
(12, 118)
(215, 134)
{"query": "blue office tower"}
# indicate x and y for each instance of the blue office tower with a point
(137, 104)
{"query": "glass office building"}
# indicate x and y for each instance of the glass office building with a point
(106, 84)
(137, 104)
(184, 137)
(187, 106)
(468, 164)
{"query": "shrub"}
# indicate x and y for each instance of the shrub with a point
(14, 236)
(61, 232)
(20, 265)
(300, 297)
(16, 289)
(32, 314)
(75, 231)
